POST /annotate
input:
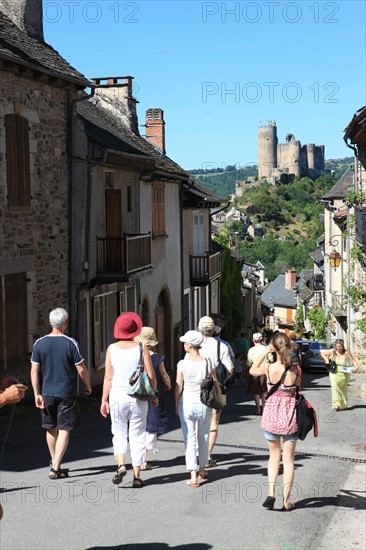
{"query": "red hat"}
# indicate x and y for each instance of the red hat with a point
(127, 325)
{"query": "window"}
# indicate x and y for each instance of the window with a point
(17, 160)
(129, 199)
(13, 320)
(158, 198)
(105, 313)
(108, 179)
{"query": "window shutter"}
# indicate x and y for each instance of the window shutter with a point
(17, 160)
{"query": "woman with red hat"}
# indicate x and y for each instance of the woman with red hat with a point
(128, 414)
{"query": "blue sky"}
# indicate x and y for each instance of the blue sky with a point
(221, 69)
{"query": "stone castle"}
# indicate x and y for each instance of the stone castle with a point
(279, 161)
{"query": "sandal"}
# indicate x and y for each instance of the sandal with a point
(290, 506)
(192, 483)
(121, 472)
(137, 483)
(146, 466)
(269, 503)
(58, 474)
(202, 475)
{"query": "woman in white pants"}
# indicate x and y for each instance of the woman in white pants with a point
(195, 417)
(128, 414)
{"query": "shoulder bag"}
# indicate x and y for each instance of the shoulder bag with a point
(210, 390)
(140, 386)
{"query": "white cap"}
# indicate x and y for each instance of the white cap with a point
(257, 337)
(206, 324)
(192, 337)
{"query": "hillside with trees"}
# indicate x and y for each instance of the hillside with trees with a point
(291, 215)
(222, 181)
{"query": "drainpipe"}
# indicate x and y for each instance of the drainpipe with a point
(73, 311)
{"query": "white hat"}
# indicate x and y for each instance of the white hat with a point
(257, 337)
(147, 336)
(192, 337)
(206, 324)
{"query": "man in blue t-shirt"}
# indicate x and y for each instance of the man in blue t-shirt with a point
(56, 363)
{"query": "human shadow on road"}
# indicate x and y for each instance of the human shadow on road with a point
(154, 546)
(346, 499)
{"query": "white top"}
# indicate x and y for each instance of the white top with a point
(193, 373)
(124, 363)
(254, 353)
(209, 349)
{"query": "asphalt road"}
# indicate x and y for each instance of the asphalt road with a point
(86, 511)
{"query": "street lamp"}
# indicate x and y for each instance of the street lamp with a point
(334, 257)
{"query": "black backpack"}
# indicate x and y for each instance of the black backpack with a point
(224, 378)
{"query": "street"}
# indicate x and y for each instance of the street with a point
(85, 511)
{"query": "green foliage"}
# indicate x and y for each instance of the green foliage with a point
(299, 318)
(356, 295)
(318, 321)
(230, 289)
(354, 198)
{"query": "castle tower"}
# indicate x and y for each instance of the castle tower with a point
(267, 151)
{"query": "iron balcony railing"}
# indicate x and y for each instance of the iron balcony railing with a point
(205, 269)
(123, 255)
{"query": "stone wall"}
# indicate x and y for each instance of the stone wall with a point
(34, 239)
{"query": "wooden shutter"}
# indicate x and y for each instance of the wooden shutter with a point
(15, 319)
(17, 160)
(113, 229)
(158, 209)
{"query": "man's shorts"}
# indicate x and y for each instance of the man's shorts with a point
(60, 412)
(272, 437)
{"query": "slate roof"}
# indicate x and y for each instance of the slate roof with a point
(357, 123)
(317, 255)
(17, 47)
(281, 295)
(105, 129)
(342, 187)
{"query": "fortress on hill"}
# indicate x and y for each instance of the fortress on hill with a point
(277, 161)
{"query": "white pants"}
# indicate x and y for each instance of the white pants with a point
(128, 417)
(151, 442)
(196, 420)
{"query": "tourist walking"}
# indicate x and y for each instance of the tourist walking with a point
(215, 351)
(339, 379)
(56, 363)
(157, 419)
(195, 416)
(257, 385)
(128, 414)
(279, 415)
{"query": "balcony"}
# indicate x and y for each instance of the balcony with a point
(205, 269)
(120, 257)
(338, 306)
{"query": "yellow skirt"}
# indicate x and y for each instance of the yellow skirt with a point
(339, 383)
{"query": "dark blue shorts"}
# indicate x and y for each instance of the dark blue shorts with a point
(60, 412)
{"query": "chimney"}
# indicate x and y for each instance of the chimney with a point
(27, 15)
(116, 96)
(155, 131)
(290, 278)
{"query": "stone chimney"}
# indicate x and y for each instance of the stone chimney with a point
(115, 95)
(155, 128)
(25, 14)
(290, 278)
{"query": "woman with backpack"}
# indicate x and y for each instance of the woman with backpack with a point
(279, 415)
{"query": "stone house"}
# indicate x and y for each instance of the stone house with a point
(140, 226)
(38, 88)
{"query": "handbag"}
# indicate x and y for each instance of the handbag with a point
(210, 390)
(224, 378)
(331, 366)
(139, 383)
(305, 416)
